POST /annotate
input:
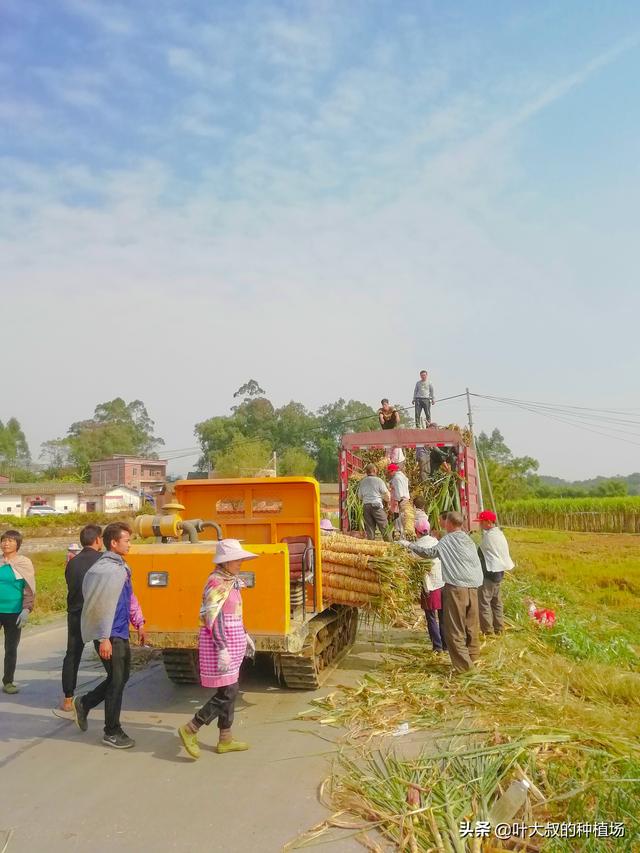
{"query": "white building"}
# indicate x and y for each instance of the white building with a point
(16, 498)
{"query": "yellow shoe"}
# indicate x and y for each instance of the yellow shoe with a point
(231, 746)
(190, 741)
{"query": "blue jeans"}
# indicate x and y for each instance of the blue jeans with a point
(423, 404)
(434, 627)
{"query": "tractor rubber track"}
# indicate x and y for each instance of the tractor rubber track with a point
(331, 635)
(182, 665)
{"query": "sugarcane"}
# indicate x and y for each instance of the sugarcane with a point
(335, 581)
(349, 571)
(358, 561)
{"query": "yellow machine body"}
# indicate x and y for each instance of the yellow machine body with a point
(169, 578)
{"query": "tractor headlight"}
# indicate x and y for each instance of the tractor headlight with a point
(158, 578)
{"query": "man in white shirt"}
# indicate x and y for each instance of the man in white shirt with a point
(495, 560)
(400, 497)
(373, 493)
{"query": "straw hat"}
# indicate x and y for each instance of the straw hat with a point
(74, 547)
(325, 524)
(230, 549)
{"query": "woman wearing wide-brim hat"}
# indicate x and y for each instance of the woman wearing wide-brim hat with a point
(222, 645)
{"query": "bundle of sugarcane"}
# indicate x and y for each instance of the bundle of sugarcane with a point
(350, 572)
(351, 545)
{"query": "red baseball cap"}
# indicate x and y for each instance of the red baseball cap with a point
(487, 515)
(393, 467)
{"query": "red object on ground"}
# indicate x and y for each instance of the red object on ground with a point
(545, 617)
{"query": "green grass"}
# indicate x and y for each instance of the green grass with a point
(580, 680)
(51, 589)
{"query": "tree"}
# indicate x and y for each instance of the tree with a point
(243, 458)
(249, 390)
(296, 462)
(510, 476)
(116, 427)
(14, 449)
(291, 427)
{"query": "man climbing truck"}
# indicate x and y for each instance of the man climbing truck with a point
(278, 519)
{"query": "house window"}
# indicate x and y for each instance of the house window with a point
(65, 508)
(134, 471)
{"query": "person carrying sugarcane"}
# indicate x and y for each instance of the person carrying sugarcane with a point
(495, 560)
(462, 575)
(432, 584)
(400, 495)
(423, 398)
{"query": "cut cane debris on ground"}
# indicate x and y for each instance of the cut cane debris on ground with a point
(558, 707)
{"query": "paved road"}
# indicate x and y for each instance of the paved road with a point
(64, 791)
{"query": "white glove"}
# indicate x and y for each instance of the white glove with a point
(224, 660)
(250, 651)
(21, 621)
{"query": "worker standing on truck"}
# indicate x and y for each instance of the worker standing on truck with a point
(77, 568)
(109, 607)
(388, 415)
(374, 494)
(222, 646)
(495, 560)
(462, 575)
(423, 398)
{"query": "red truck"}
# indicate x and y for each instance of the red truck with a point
(433, 437)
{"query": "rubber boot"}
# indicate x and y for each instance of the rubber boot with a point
(190, 741)
(226, 743)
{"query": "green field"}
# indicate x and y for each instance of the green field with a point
(587, 515)
(51, 594)
(560, 705)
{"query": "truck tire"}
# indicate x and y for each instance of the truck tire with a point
(182, 665)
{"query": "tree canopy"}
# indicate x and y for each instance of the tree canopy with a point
(305, 442)
(116, 427)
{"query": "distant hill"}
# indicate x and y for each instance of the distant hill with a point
(632, 481)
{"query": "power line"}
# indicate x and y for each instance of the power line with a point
(319, 429)
(537, 410)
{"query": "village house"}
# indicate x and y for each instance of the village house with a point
(136, 472)
(16, 498)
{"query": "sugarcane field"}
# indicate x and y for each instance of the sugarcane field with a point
(319, 440)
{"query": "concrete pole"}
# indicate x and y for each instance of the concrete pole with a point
(473, 439)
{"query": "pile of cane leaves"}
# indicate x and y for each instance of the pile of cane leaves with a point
(564, 714)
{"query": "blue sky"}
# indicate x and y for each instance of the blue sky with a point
(324, 196)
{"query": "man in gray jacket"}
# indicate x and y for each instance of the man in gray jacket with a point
(373, 493)
(462, 575)
(423, 398)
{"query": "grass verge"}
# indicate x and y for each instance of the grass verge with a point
(560, 707)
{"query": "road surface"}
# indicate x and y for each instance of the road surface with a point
(62, 790)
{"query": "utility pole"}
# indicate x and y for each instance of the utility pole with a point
(473, 439)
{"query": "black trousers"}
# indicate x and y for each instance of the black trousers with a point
(11, 640)
(75, 647)
(221, 705)
(111, 689)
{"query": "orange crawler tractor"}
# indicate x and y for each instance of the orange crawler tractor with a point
(276, 518)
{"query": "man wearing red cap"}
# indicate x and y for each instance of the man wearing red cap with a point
(495, 560)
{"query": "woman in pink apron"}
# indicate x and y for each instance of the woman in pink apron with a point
(222, 645)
